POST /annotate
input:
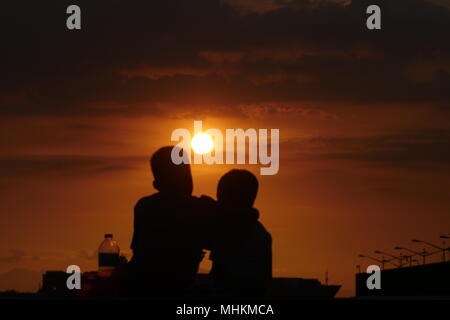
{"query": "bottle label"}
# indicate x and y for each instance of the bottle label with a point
(108, 259)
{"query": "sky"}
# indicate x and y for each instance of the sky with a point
(364, 119)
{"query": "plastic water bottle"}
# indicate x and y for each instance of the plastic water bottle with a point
(108, 256)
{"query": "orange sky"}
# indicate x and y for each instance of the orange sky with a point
(364, 123)
(321, 211)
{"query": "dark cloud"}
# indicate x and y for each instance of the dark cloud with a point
(428, 149)
(64, 165)
(131, 58)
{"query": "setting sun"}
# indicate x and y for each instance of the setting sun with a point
(202, 143)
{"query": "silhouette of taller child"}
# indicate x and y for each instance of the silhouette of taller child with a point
(171, 229)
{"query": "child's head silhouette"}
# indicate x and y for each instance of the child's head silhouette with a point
(237, 188)
(170, 177)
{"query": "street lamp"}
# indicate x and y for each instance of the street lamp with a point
(424, 254)
(434, 246)
(390, 255)
(375, 259)
(445, 237)
(414, 260)
(407, 257)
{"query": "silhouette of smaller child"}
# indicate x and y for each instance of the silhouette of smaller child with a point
(242, 248)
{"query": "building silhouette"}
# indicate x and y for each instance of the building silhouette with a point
(427, 280)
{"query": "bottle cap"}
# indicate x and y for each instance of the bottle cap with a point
(108, 235)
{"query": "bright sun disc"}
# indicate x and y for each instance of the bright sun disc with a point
(202, 143)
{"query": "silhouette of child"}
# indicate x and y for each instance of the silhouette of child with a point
(242, 248)
(171, 229)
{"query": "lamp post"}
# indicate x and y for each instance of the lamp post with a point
(374, 259)
(446, 249)
(408, 257)
(390, 255)
(434, 246)
(423, 254)
(414, 260)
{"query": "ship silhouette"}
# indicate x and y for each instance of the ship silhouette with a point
(54, 285)
(281, 288)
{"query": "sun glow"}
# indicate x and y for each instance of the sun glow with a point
(202, 143)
